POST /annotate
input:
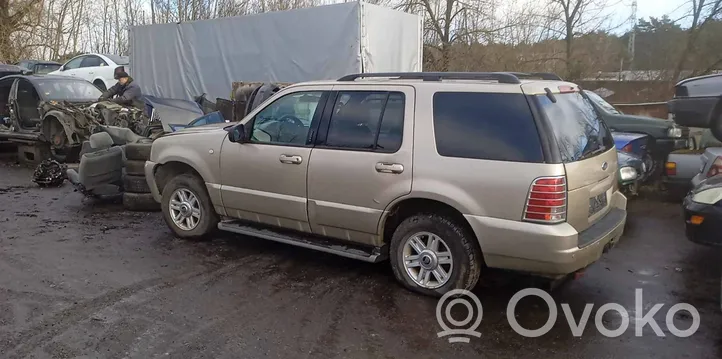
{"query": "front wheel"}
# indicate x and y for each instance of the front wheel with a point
(432, 254)
(187, 207)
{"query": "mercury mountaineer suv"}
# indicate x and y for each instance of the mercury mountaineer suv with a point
(441, 174)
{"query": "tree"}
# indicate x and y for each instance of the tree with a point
(17, 17)
(702, 12)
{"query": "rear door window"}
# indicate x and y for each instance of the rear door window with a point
(367, 120)
(579, 131)
(489, 126)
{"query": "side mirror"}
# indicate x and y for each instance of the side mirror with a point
(237, 134)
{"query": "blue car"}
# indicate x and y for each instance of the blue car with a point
(213, 117)
(631, 146)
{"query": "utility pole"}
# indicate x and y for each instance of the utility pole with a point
(633, 34)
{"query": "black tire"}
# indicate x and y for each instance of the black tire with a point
(464, 248)
(100, 85)
(135, 168)
(208, 221)
(137, 151)
(135, 184)
(142, 202)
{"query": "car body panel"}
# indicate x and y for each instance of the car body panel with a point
(354, 215)
(709, 232)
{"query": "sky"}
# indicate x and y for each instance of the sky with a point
(656, 8)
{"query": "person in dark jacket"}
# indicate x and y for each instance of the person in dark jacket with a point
(125, 92)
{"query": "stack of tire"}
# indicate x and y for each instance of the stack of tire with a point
(137, 196)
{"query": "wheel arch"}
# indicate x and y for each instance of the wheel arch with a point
(407, 206)
(53, 121)
(166, 171)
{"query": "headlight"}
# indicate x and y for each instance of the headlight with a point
(674, 132)
(627, 173)
(710, 196)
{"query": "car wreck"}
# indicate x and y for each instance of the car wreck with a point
(57, 114)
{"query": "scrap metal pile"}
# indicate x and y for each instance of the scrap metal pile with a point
(85, 118)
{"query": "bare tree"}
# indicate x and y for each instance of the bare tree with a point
(702, 12)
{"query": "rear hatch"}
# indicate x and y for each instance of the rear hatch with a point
(586, 148)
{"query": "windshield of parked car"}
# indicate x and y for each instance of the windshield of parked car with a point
(67, 90)
(119, 60)
(46, 68)
(579, 131)
(602, 103)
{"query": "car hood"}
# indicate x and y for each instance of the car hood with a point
(712, 182)
(172, 111)
(197, 129)
(625, 137)
(649, 121)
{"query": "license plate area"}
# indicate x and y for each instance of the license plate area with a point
(597, 203)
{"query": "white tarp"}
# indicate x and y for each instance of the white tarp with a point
(326, 42)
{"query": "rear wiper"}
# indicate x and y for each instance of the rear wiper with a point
(593, 153)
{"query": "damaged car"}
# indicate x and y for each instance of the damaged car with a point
(60, 113)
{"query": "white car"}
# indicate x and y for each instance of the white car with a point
(95, 68)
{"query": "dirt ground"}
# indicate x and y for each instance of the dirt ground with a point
(86, 280)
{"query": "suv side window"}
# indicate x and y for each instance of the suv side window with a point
(367, 120)
(489, 126)
(288, 119)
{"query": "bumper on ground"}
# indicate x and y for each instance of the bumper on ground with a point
(709, 231)
(549, 250)
(149, 170)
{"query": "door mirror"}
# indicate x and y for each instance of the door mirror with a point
(237, 134)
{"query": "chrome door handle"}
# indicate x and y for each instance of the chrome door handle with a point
(290, 159)
(389, 167)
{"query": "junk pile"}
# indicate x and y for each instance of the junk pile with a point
(50, 173)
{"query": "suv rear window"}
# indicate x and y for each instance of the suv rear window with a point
(489, 126)
(580, 132)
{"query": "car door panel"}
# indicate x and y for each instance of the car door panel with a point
(264, 180)
(348, 190)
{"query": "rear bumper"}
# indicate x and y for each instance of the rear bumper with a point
(708, 232)
(549, 250)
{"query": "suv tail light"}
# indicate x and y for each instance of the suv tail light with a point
(547, 200)
(716, 167)
(671, 168)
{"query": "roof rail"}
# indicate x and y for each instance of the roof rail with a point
(541, 75)
(502, 77)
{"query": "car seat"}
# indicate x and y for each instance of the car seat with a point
(101, 167)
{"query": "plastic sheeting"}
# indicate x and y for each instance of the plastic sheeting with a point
(187, 59)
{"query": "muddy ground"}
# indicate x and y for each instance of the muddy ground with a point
(85, 280)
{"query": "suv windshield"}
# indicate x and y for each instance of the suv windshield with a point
(602, 103)
(67, 90)
(580, 133)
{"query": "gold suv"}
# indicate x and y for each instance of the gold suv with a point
(443, 174)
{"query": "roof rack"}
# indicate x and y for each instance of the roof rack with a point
(502, 77)
(540, 75)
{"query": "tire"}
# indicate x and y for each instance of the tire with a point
(135, 184)
(142, 202)
(100, 85)
(135, 168)
(463, 246)
(208, 221)
(137, 151)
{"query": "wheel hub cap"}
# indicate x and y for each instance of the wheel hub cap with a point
(427, 260)
(184, 209)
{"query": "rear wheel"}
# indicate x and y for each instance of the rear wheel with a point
(432, 254)
(187, 207)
